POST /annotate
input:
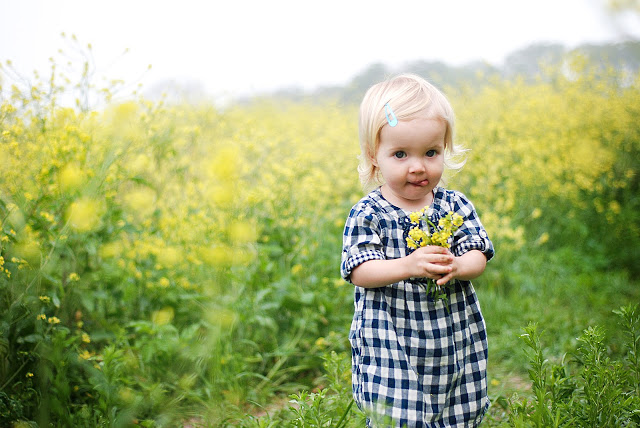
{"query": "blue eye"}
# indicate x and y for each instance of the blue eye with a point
(431, 153)
(400, 155)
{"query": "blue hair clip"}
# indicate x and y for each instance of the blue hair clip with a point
(391, 117)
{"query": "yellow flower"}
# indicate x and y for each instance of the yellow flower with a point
(445, 222)
(74, 277)
(439, 235)
(542, 239)
(53, 320)
(169, 257)
(45, 299)
(86, 338)
(163, 316)
(29, 374)
(225, 165)
(47, 216)
(242, 232)
(140, 202)
(85, 214)
(417, 234)
(614, 206)
(321, 342)
(71, 178)
(41, 317)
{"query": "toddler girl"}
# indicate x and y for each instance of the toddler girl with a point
(417, 361)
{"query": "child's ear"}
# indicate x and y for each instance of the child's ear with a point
(373, 160)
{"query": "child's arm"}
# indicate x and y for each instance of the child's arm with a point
(426, 262)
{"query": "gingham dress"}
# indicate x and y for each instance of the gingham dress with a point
(415, 363)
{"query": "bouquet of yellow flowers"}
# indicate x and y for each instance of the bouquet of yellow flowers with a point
(432, 234)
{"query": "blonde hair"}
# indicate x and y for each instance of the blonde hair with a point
(409, 96)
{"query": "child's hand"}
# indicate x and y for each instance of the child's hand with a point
(466, 267)
(430, 262)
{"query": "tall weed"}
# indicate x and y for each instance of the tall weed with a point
(589, 390)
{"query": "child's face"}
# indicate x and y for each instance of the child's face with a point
(411, 160)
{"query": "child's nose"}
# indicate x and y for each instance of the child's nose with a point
(417, 165)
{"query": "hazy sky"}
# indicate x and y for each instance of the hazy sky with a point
(248, 46)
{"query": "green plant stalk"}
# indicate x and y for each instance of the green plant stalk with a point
(343, 419)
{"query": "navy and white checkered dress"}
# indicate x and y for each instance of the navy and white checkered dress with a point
(415, 362)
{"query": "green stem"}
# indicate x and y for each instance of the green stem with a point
(344, 415)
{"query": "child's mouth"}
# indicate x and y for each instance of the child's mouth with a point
(421, 183)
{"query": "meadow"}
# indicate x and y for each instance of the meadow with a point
(178, 265)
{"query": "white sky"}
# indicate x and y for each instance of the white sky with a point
(247, 46)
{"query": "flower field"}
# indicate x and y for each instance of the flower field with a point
(175, 265)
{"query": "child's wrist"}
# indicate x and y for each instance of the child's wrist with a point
(405, 268)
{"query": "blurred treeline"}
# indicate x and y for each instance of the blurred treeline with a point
(529, 63)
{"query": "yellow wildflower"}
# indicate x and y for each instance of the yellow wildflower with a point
(85, 214)
(141, 203)
(163, 316)
(47, 216)
(321, 342)
(542, 239)
(53, 320)
(296, 269)
(445, 222)
(242, 232)
(71, 178)
(45, 299)
(225, 165)
(439, 235)
(74, 277)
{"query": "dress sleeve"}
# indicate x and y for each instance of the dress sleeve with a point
(360, 242)
(471, 235)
